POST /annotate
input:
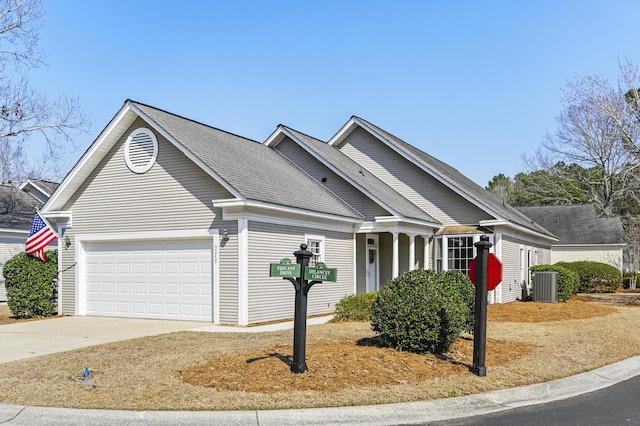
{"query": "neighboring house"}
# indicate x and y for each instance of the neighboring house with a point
(165, 217)
(17, 208)
(581, 234)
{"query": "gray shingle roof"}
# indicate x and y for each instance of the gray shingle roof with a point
(577, 224)
(254, 170)
(368, 181)
(16, 208)
(457, 180)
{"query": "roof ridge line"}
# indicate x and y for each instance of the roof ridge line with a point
(193, 121)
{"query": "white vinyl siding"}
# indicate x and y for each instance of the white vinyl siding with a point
(273, 298)
(511, 284)
(344, 190)
(173, 195)
(410, 181)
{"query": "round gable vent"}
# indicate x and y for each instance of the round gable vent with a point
(141, 150)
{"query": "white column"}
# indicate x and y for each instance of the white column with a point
(243, 272)
(426, 252)
(445, 253)
(62, 249)
(412, 252)
(497, 249)
(395, 265)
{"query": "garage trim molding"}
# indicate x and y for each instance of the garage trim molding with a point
(82, 239)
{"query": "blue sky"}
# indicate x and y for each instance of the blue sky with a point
(476, 84)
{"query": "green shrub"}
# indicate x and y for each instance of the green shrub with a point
(567, 279)
(356, 307)
(424, 311)
(31, 285)
(595, 277)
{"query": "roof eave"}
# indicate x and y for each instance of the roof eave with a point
(517, 227)
(237, 203)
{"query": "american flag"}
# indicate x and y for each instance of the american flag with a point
(41, 235)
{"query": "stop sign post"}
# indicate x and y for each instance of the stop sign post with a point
(485, 271)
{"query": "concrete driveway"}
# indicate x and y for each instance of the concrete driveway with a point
(35, 338)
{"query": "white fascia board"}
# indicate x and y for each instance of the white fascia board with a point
(66, 214)
(63, 218)
(299, 222)
(274, 207)
(90, 159)
(391, 226)
(275, 138)
(10, 231)
(512, 225)
(425, 169)
(396, 219)
(33, 184)
(334, 170)
(343, 132)
(186, 152)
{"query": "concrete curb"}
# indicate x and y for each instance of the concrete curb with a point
(387, 414)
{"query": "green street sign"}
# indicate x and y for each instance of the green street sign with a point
(284, 269)
(320, 272)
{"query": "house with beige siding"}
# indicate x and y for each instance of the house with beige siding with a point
(581, 234)
(165, 217)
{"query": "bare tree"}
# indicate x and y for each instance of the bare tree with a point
(599, 131)
(27, 115)
(632, 247)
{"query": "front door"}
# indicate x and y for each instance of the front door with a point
(373, 282)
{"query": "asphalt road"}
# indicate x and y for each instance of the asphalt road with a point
(616, 405)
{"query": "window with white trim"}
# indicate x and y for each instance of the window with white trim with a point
(315, 244)
(459, 251)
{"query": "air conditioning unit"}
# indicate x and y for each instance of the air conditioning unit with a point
(545, 287)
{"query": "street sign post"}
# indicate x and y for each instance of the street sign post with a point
(303, 277)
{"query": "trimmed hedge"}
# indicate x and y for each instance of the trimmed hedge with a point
(31, 285)
(424, 311)
(567, 279)
(356, 307)
(595, 277)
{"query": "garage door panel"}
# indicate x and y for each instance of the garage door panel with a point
(157, 279)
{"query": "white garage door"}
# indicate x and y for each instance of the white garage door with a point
(150, 279)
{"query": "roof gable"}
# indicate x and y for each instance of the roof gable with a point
(246, 168)
(17, 208)
(39, 189)
(355, 174)
(447, 175)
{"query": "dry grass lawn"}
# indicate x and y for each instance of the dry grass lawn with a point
(527, 343)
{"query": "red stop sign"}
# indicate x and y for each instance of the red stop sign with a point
(495, 272)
